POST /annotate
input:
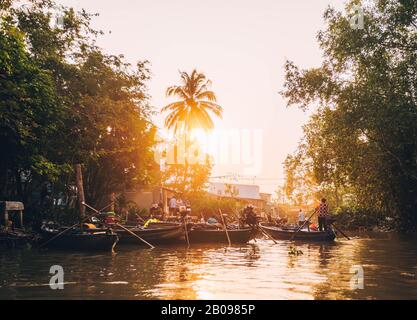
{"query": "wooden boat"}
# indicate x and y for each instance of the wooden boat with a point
(75, 239)
(280, 233)
(15, 238)
(10, 236)
(198, 234)
(156, 233)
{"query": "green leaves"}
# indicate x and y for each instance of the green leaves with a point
(195, 104)
(59, 95)
(362, 139)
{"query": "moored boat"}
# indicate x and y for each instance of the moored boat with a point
(16, 238)
(154, 234)
(280, 233)
(207, 235)
(75, 239)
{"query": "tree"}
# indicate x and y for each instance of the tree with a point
(74, 104)
(363, 135)
(29, 116)
(190, 112)
(189, 179)
(195, 104)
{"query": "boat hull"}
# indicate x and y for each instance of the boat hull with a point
(280, 234)
(219, 236)
(158, 235)
(102, 241)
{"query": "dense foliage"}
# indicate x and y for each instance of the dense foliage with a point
(360, 146)
(64, 101)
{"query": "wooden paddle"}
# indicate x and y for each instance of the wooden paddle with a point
(186, 233)
(135, 235)
(266, 234)
(225, 228)
(340, 231)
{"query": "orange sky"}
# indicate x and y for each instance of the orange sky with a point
(240, 45)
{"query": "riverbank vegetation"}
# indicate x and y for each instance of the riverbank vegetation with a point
(64, 101)
(360, 146)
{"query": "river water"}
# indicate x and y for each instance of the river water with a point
(258, 270)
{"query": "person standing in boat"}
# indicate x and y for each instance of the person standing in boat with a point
(250, 216)
(156, 212)
(172, 204)
(301, 218)
(323, 211)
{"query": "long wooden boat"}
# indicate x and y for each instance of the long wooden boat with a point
(155, 234)
(204, 235)
(87, 240)
(303, 235)
(16, 238)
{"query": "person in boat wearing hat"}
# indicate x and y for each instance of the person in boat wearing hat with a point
(323, 211)
(156, 212)
(250, 216)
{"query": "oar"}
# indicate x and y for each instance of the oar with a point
(135, 235)
(225, 228)
(186, 233)
(266, 234)
(340, 231)
(302, 226)
(119, 225)
(101, 210)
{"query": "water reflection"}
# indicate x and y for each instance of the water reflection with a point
(260, 270)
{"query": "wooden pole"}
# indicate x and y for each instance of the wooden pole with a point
(186, 233)
(80, 191)
(340, 231)
(21, 218)
(135, 235)
(305, 222)
(6, 219)
(267, 234)
(225, 228)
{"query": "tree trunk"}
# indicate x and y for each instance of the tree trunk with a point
(19, 190)
(80, 190)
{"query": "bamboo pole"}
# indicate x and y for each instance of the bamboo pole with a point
(225, 228)
(80, 191)
(135, 235)
(340, 231)
(267, 234)
(186, 233)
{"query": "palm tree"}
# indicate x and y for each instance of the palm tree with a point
(194, 106)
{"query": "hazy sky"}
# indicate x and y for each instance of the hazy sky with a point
(241, 45)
